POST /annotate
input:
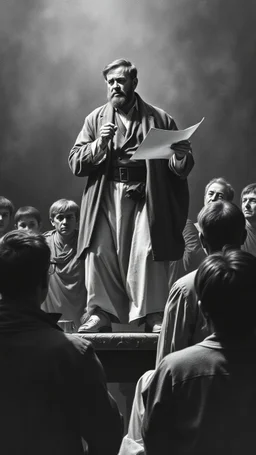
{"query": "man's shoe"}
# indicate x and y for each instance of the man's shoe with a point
(154, 322)
(98, 322)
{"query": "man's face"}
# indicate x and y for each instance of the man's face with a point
(120, 87)
(29, 223)
(215, 192)
(65, 223)
(5, 219)
(249, 207)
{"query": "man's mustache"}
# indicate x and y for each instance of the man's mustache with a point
(117, 92)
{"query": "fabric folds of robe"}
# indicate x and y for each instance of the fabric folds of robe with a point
(67, 292)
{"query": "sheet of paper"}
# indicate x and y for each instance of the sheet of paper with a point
(157, 143)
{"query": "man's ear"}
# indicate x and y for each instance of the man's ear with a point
(135, 83)
(52, 222)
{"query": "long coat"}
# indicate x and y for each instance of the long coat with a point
(167, 195)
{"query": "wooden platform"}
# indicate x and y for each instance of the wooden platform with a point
(125, 356)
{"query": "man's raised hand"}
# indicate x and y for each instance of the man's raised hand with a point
(107, 133)
(181, 149)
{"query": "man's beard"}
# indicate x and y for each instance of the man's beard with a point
(122, 100)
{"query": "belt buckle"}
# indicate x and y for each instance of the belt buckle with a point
(123, 174)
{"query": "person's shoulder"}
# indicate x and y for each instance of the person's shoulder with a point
(97, 112)
(186, 283)
(48, 234)
(190, 227)
(187, 363)
(160, 111)
(152, 109)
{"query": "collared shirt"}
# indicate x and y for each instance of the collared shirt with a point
(127, 118)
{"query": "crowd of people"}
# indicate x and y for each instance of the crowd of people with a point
(132, 254)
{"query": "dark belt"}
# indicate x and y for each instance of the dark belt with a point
(127, 174)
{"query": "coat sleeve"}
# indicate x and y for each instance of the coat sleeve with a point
(86, 154)
(100, 421)
(182, 167)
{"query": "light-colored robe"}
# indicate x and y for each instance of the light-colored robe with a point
(67, 292)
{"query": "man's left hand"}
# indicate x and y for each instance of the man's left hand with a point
(181, 149)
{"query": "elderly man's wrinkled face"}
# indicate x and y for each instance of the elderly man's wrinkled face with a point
(215, 192)
(120, 87)
(249, 207)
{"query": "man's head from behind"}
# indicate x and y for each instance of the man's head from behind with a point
(248, 203)
(218, 189)
(24, 264)
(226, 288)
(221, 223)
(121, 79)
(6, 212)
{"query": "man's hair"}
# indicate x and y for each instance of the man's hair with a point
(226, 286)
(27, 210)
(24, 263)
(222, 223)
(222, 181)
(6, 204)
(248, 189)
(64, 205)
(129, 66)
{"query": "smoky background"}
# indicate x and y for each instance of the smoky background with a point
(195, 58)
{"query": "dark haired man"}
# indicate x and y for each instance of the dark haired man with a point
(132, 212)
(220, 223)
(52, 388)
(184, 325)
(202, 399)
(248, 204)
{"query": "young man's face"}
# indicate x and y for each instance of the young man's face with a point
(249, 207)
(65, 223)
(5, 220)
(29, 223)
(215, 192)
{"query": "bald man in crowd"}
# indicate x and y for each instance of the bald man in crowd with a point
(132, 212)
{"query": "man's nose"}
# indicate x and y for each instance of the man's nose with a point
(214, 197)
(116, 85)
(64, 221)
(1, 217)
